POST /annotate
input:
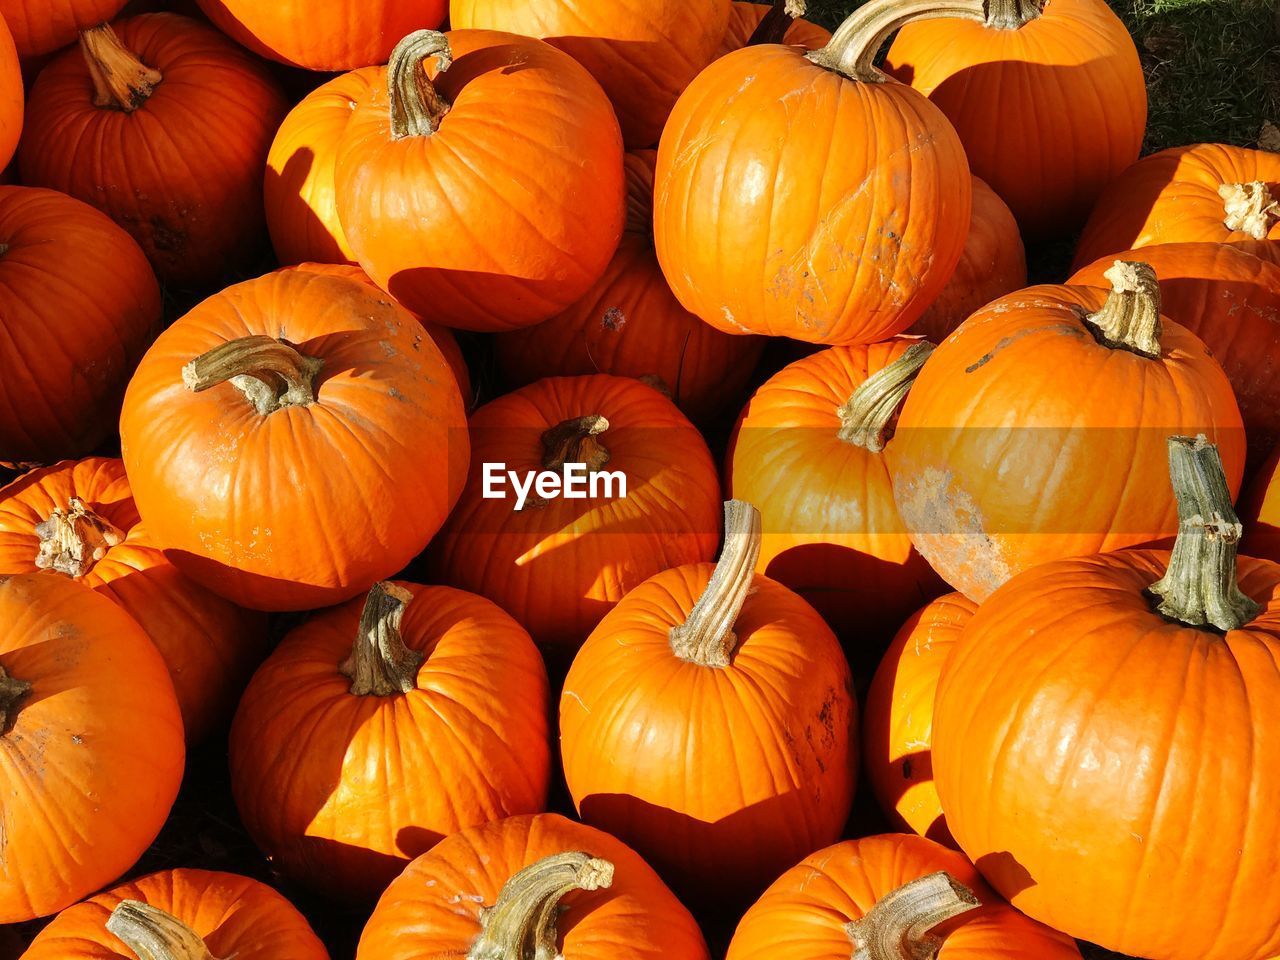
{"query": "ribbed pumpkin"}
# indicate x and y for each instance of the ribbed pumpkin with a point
(745, 18)
(873, 217)
(42, 26)
(79, 304)
(559, 565)
(1048, 98)
(294, 439)
(92, 739)
(739, 678)
(533, 886)
(180, 915)
(382, 726)
(482, 196)
(77, 519)
(631, 325)
(164, 125)
(1205, 193)
(807, 452)
(1036, 431)
(1103, 738)
(11, 96)
(879, 898)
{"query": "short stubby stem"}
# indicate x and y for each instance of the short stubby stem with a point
(73, 540)
(868, 418)
(120, 80)
(381, 663)
(1130, 318)
(12, 690)
(576, 441)
(270, 373)
(417, 109)
(898, 927)
(1249, 208)
(153, 934)
(775, 24)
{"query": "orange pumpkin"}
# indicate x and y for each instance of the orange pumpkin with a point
(631, 325)
(1048, 98)
(92, 738)
(558, 565)
(530, 886)
(244, 404)
(42, 26)
(11, 96)
(78, 304)
(1260, 511)
(745, 19)
(189, 914)
(484, 197)
(164, 125)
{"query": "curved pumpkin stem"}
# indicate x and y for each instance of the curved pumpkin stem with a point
(576, 441)
(1130, 319)
(380, 662)
(522, 924)
(12, 690)
(269, 372)
(120, 80)
(773, 28)
(73, 540)
(867, 419)
(897, 928)
(416, 107)
(1200, 587)
(155, 935)
(1249, 208)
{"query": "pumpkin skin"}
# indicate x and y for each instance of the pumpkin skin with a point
(744, 19)
(224, 487)
(73, 333)
(209, 645)
(630, 324)
(235, 916)
(505, 215)
(1260, 511)
(42, 26)
(431, 912)
(189, 192)
(643, 55)
(11, 96)
(101, 712)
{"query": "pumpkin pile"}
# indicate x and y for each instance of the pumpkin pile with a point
(595, 482)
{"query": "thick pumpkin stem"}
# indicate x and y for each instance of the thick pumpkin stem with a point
(1200, 587)
(269, 372)
(381, 663)
(1130, 319)
(153, 934)
(868, 418)
(416, 107)
(897, 928)
(576, 441)
(12, 690)
(707, 637)
(1249, 207)
(773, 28)
(522, 924)
(73, 540)
(120, 80)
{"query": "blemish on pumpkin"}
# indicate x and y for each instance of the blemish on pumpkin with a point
(906, 769)
(163, 237)
(397, 395)
(613, 319)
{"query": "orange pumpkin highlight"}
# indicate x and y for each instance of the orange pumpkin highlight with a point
(11, 96)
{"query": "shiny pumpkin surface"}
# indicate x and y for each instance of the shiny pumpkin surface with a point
(11, 96)
(42, 26)
(744, 19)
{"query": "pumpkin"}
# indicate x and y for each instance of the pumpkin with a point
(530, 886)
(807, 452)
(379, 727)
(1260, 510)
(629, 324)
(1104, 732)
(484, 197)
(164, 125)
(1036, 431)
(558, 565)
(42, 26)
(180, 915)
(642, 55)
(78, 304)
(868, 228)
(92, 736)
(745, 19)
(1205, 193)
(686, 665)
(78, 519)
(879, 898)
(897, 724)
(11, 96)
(1049, 100)
(294, 439)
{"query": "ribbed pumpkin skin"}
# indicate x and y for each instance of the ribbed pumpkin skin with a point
(744, 18)
(101, 714)
(224, 487)
(642, 52)
(183, 172)
(865, 234)
(235, 916)
(79, 304)
(831, 529)
(1049, 114)
(1101, 763)
(42, 26)
(209, 645)
(11, 96)
(510, 211)
(997, 463)
(1172, 197)
(342, 791)
(432, 911)
(802, 916)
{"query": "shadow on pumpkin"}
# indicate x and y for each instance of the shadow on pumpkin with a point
(918, 766)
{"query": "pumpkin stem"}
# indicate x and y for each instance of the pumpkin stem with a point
(120, 80)
(574, 441)
(1249, 207)
(269, 372)
(416, 107)
(706, 637)
(73, 540)
(522, 924)
(153, 934)
(1130, 319)
(897, 928)
(773, 28)
(12, 691)
(1200, 588)
(867, 419)
(381, 663)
